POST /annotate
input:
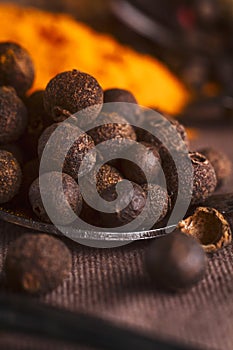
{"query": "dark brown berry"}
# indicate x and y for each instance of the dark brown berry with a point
(13, 116)
(158, 126)
(146, 158)
(54, 198)
(119, 95)
(16, 67)
(132, 202)
(175, 262)
(16, 150)
(38, 121)
(204, 177)
(106, 177)
(37, 263)
(159, 202)
(70, 92)
(128, 106)
(10, 176)
(76, 154)
(209, 227)
(113, 127)
(221, 164)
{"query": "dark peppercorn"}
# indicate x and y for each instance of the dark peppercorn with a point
(209, 227)
(175, 262)
(159, 202)
(54, 198)
(119, 95)
(115, 128)
(13, 115)
(129, 109)
(10, 176)
(153, 123)
(16, 150)
(147, 158)
(204, 178)
(220, 162)
(76, 153)
(38, 121)
(106, 177)
(170, 129)
(37, 263)
(130, 211)
(70, 92)
(16, 67)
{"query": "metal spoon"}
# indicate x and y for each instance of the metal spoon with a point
(223, 203)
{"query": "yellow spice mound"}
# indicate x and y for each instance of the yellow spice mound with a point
(57, 43)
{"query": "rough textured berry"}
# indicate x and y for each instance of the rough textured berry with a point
(54, 198)
(13, 116)
(76, 154)
(16, 67)
(70, 92)
(10, 176)
(221, 164)
(146, 158)
(37, 263)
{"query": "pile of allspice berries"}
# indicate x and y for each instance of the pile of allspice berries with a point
(38, 263)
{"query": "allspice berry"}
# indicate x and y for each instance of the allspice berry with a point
(38, 121)
(204, 178)
(175, 262)
(16, 67)
(83, 147)
(16, 149)
(159, 202)
(70, 92)
(146, 158)
(166, 126)
(112, 127)
(13, 116)
(220, 162)
(106, 177)
(37, 263)
(127, 106)
(119, 95)
(209, 227)
(55, 200)
(132, 202)
(10, 176)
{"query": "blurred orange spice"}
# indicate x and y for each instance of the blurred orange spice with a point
(57, 43)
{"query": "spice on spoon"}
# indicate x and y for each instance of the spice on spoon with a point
(10, 176)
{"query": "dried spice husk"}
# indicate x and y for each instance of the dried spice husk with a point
(209, 227)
